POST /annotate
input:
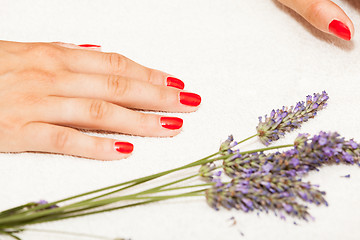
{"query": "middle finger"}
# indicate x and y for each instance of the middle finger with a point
(126, 92)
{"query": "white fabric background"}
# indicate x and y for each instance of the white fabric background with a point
(244, 58)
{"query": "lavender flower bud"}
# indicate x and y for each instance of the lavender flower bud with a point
(225, 147)
(43, 202)
(206, 171)
(287, 119)
(226, 144)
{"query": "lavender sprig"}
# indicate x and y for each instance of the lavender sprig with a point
(287, 119)
(306, 155)
(264, 193)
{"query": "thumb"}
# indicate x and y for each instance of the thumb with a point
(324, 15)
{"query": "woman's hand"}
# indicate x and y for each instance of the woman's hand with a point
(49, 89)
(324, 15)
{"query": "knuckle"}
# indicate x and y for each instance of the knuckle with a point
(98, 109)
(29, 99)
(48, 50)
(9, 125)
(116, 62)
(61, 139)
(313, 10)
(151, 73)
(117, 86)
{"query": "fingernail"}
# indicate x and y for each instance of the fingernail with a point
(190, 99)
(124, 147)
(340, 29)
(89, 45)
(175, 82)
(171, 122)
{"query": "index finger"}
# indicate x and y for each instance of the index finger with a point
(83, 61)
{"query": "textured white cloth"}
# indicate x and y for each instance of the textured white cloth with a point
(244, 58)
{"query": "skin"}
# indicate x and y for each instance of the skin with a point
(50, 90)
(319, 13)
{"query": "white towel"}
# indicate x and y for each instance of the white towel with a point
(244, 58)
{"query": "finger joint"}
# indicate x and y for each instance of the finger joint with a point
(313, 10)
(61, 139)
(49, 51)
(98, 109)
(116, 62)
(117, 86)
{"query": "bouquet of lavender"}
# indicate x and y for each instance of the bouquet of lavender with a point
(258, 179)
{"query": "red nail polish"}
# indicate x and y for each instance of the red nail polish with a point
(171, 122)
(340, 29)
(175, 82)
(89, 45)
(190, 99)
(124, 147)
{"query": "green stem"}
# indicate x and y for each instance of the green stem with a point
(9, 234)
(92, 205)
(152, 199)
(247, 152)
(133, 196)
(267, 148)
(15, 209)
(49, 219)
(184, 187)
(144, 192)
(84, 205)
(244, 140)
(126, 197)
(70, 233)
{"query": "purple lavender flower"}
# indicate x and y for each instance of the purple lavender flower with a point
(269, 182)
(42, 202)
(308, 154)
(267, 167)
(264, 193)
(295, 161)
(287, 119)
(217, 182)
(353, 144)
(288, 208)
(327, 148)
